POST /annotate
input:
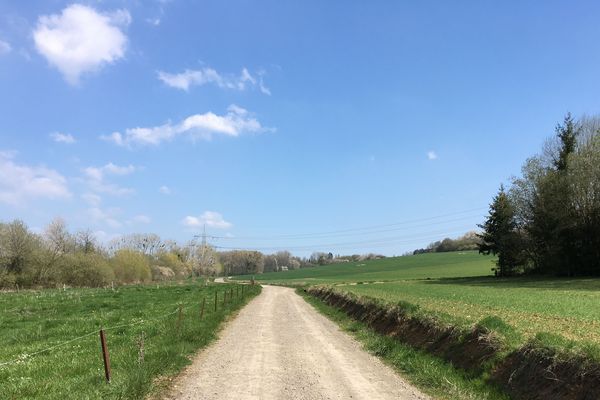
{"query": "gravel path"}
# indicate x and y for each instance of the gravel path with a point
(279, 347)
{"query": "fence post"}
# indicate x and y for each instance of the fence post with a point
(141, 346)
(179, 318)
(224, 297)
(105, 355)
(202, 310)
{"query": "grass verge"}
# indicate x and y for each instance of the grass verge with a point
(543, 367)
(431, 374)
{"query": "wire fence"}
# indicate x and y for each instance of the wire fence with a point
(227, 295)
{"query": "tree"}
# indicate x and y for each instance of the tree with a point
(240, 262)
(16, 247)
(146, 243)
(58, 242)
(583, 177)
(204, 260)
(499, 235)
(567, 135)
(85, 241)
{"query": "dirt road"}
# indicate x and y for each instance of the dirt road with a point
(279, 347)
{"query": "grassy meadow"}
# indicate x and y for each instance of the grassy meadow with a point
(458, 288)
(423, 266)
(31, 321)
(569, 307)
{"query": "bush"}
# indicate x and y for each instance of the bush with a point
(81, 269)
(173, 262)
(131, 267)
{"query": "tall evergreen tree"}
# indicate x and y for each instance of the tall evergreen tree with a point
(551, 229)
(567, 135)
(500, 236)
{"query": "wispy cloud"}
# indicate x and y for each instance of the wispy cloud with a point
(199, 77)
(96, 179)
(81, 39)
(153, 21)
(203, 126)
(20, 182)
(141, 219)
(432, 155)
(5, 47)
(62, 137)
(211, 219)
(92, 199)
(108, 217)
(164, 190)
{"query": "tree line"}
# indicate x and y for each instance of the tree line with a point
(548, 220)
(468, 241)
(57, 257)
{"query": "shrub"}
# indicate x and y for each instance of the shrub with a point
(81, 269)
(130, 266)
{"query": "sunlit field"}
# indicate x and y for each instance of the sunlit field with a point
(33, 321)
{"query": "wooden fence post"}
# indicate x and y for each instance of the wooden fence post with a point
(141, 348)
(179, 318)
(105, 355)
(224, 297)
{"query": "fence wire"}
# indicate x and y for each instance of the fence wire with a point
(27, 356)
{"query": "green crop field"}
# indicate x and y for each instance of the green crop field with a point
(434, 265)
(459, 289)
(32, 321)
(569, 307)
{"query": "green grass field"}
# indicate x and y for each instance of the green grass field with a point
(31, 321)
(435, 265)
(570, 308)
(458, 288)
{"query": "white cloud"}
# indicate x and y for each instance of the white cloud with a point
(153, 21)
(96, 179)
(431, 155)
(200, 77)
(141, 219)
(81, 39)
(5, 47)
(211, 219)
(164, 190)
(114, 137)
(19, 182)
(98, 173)
(235, 122)
(62, 137)
(105, 237)
(92, 199)
(108, 217)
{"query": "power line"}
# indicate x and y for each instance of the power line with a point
(352, 233)
(381, 242)
(360, 231)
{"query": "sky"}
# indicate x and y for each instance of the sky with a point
(342, 126)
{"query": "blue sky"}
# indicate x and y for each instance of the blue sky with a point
(274, 119)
